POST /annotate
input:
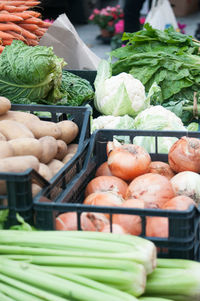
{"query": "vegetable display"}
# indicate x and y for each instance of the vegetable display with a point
(19, 20)
(33, 143)
(168, 59)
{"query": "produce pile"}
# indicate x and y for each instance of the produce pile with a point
(129, 178)
(20, 21)
(28, 142)
(88, 266)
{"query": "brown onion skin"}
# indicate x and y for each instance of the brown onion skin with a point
(103, 170)
(152, 188)
(161, 168)
(107, 183)
(184, 155)
(90, 221)
(181, 202)
(157, 227)
(128, 161)
(115, 229)
(132, 224)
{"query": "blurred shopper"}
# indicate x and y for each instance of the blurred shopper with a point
(132, 10)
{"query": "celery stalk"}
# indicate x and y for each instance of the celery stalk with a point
(153, 299)
(178, 263)
(5, 297)
(21, 289)
(18, 294)
(112, 245)
(56, 285)
(175, 283)
(133, 282)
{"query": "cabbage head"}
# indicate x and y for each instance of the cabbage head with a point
(118, 95)
(29, 74)
(157, 118)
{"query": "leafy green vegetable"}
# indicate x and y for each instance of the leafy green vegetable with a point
(30, 73)
(79, 89)
(166, 58)
(3, 217)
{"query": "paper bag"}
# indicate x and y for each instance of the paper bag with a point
(67, 44)
(161, 15)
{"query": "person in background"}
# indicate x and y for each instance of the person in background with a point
(132, 10)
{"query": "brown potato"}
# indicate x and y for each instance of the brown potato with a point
(72, 148)
(62, 150)
(68, 157)
(16, 164)
(55, 166)
(5, 105)
(26, 147)
(45, 171)
(22, 117)
(6, 150)
(13, 130)
(49, 149)
(2, 137)
(69, 130)
(44, 128)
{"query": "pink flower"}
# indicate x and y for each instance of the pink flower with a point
(119, 26)
(96, 11)
(91, 17)
(48, 21)
(142, 20)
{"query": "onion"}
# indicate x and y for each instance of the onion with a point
(187, 183)
(161, 168)
(106, 183)
(103, 170)
(89, 221)
(115, 229)
(184, 155)
(157, 227)
(103, 199)
(111, 145)
(132, 224)
(180, 202)
(128, 161)
(153, 189)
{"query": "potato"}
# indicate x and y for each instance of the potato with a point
(21, 117)
(12, 130)
(68, 157)
(72, 148)
(44, 128)
(49, 149)
(55, 166)
(5, 105)
(26, 147)
(35, 189)
(6, 150)
(2, 137)
(16, 164)
(45, 171)
(62, 150)
(69, 130)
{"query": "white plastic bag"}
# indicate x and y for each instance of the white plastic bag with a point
(161, 15)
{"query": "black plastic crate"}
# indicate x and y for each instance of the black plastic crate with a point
(19, 194)
(184, 226)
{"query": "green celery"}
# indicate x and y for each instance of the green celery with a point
(4, 297)
(153, 299)
(21, 289)
(130, 281)
(58, 286)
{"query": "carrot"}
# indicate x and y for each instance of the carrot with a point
(45, 25)
(5, 35)
(33, 20)
(25, 3)
(34, 13)
(32, 42)
(23, 15)
(40, 32)
(17, 36)
(13, 9)
(7, 42)
(10, 26)
(30, 27)
(8, 17)
(28, 35)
